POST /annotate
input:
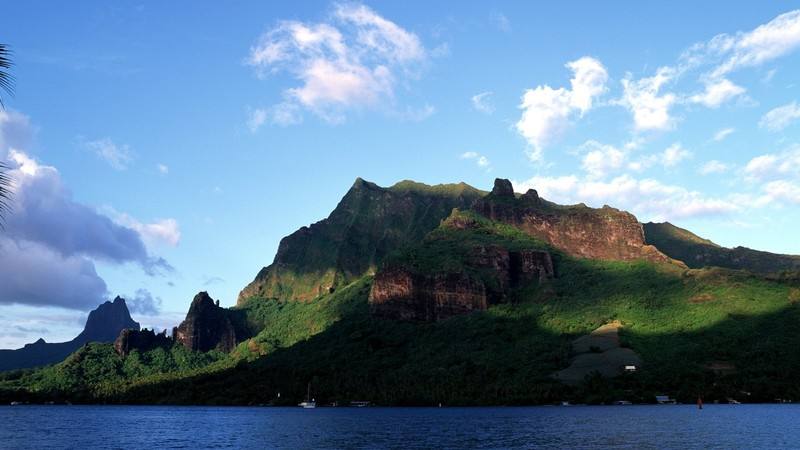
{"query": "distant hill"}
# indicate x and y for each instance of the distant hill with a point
(697, 252)
(103, 325)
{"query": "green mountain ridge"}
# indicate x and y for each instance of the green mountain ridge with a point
(697, 252)
(708, 331)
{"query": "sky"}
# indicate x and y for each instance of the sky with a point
(164, 148)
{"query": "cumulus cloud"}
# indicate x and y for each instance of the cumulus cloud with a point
(781, 117)
(601, 159)
(35, 274)
(352, 60)
(673, 155)
(644, 99)
(546, 112)
(51, 242)
(482, 102)
(143, 302)
(45, 212)
(163, 169)
(117, 156)
(723, 133)
(647, 198)
(479, 159)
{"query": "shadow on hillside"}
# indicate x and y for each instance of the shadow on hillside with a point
(499, 357)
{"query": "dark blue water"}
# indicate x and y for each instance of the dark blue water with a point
(635, 427)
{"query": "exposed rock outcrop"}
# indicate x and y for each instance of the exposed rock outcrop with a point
(142, 340)
(367, 224)
(402, 294)
(103, 325)
(209, 327)
(604, 233)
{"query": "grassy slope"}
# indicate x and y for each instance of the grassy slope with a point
(677, 320)
(697, 252)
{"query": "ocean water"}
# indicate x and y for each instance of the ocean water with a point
(634, 427)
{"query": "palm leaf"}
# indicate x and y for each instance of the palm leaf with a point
(6, 79)
(6, 84)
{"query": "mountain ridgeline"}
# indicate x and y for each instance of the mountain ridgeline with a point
(369, 223)
(104, 324)
(419, 295)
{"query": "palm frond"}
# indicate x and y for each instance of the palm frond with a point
(5, 193)
(6, 79)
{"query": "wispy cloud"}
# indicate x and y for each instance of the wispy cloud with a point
(116, 155)
(781, 117)
(483, 102)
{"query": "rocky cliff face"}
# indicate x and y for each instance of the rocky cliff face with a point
(142, 340)
(208, 327)
(103, 325)
(403, 294)
(368, 224)
(605, 233)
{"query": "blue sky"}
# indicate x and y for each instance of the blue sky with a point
(165, 147)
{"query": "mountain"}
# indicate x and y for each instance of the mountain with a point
(420, 295)
(697, 252)
(369, 223)
(103, 325)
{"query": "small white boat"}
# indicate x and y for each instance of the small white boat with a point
(310, 403)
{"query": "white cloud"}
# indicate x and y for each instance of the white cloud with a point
(647, 198)
(161, 231)
(354, 60)
(643, 98)
(771, 166)
(416, 114)
(482, 102)
(781, 191)
(674, 154)
(163, 169)
(717, 92)
(479, 159)
(713, 167)
(767, 42)
(16, 131)
(780, 117)
(500, 21)
(600, 159)
(723, 133)
(44, 212)
(117, 156)
(546, 112)
(256, 118)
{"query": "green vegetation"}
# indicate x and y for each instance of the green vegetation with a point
(697, 252)
(715, 332)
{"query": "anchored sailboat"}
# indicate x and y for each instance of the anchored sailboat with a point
(310, 402)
